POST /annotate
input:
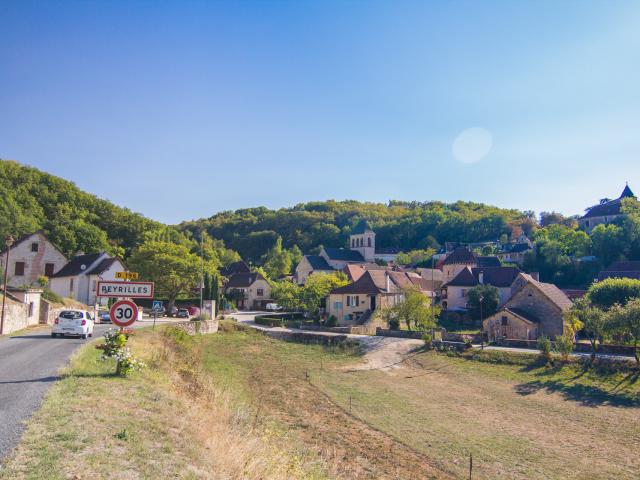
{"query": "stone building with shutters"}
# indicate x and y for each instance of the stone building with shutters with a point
(30, 257)
(605, 212)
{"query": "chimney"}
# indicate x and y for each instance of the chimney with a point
(481, 277)
(388, 281)
(535, 276)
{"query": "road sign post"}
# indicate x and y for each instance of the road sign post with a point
(123, 313)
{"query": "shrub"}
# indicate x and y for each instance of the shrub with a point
(608, 292)
(394, 324)
(269, 321)
(544, 345)
(332, 321)
(50, 295)
(202, 317)
(564, 346)
(428, 340)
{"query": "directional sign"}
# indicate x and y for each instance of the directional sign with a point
(125, 289)
(123, 313)
(157, 305)
(127, 275)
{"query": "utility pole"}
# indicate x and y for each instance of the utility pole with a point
(202, 268)
(481, 328)
(8, 242)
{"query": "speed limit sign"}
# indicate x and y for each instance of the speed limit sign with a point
(123, 313)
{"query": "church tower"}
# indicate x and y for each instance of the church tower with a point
(363, 240)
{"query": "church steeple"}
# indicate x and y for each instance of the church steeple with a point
(627, 193)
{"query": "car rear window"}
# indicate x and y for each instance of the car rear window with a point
(71, 315)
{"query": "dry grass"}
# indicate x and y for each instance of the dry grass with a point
(168, 421)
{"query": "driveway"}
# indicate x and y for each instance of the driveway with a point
(29, 364)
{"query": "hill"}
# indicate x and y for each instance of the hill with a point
(74, 220)
(406, 225)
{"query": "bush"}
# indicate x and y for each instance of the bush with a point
(544, 345)
(394, 324)
(428, 340)
(269, 321)
(564, 346)
(51, 296)
(201, 317)
(608, 292)
(332, 321)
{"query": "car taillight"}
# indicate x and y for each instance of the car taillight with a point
(57, 321)
(84, 322)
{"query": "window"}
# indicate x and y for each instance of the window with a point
(34, 247)
(19, 271)
(505, 321)
(71, 285)
(337, 305)
(94, 285)
(31, 309)
(463, 293)
(369, 241)
(353, 300)
(260, 292)
(49, 269)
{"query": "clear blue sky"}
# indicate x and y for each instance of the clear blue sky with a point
(179, 110)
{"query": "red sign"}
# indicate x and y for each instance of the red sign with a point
(123, 313)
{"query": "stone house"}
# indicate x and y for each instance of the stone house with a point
(249, 290)
(309, 265)
(454, 294)
(375, 289)
(78, 279)
(22, 308)
(605, 212)
(30, 257)
(535, 309)
(235, 267)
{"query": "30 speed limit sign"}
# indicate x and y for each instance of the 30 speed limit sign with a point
(123, 313)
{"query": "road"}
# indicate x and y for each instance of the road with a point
(29, 364)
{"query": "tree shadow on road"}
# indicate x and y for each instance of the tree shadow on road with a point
(32, 380)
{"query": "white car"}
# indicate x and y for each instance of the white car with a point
(73, 322)
(274, 307)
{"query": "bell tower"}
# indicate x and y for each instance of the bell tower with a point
(363, 240)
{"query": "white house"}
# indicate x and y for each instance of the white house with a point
(30, 257)
(79, 278)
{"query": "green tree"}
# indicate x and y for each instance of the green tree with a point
(607, 242)
(296, 255)
(592, 321)
(611, 291)
(277, 261)
(173, 268)
(414, 310)
(287, 294)
(317, 288)
(625, 321)
(486, 296)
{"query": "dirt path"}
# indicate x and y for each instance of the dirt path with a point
(387, 353)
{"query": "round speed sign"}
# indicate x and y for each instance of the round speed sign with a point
(123, 313)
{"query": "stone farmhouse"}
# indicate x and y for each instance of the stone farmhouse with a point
(362, 250)
(30, 257)
(79, 278)
(461, 258)
(605, 212)
(375, 289)
(535, 309)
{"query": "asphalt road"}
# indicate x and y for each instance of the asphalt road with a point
(29, 364)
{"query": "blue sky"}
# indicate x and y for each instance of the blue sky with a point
(179, 110)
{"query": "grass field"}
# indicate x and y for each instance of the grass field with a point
(242, 405)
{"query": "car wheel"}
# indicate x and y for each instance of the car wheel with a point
(54, 335)
(84, 336)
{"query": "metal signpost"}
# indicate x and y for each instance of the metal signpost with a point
(157, 306)
(123, 313)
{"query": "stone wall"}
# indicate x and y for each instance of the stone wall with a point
(531, 300)
(199, 326)
(15, 316)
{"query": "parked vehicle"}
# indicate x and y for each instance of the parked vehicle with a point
(183, 313)
(274, 307)
(193, 311)
(73, 322)
(105, 317)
